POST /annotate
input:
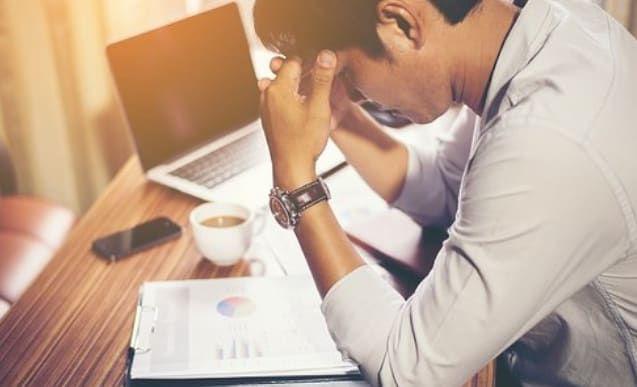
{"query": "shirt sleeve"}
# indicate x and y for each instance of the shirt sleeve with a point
(430, 191)
(537, 221)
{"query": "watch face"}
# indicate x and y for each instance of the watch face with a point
(279, 212)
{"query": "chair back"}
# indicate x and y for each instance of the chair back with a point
(8, 183)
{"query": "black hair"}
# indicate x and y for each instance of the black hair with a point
(302, 27)
(455, 11)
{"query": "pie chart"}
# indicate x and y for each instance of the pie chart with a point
(236, 307)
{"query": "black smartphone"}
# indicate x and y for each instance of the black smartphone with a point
(141, 237)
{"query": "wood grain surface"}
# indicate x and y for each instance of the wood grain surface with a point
(72, 326)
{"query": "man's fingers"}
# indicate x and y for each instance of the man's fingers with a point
(290, 74)
(322, 78)
(263, 84)
(276, 63)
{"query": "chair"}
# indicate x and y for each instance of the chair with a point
(31, 231)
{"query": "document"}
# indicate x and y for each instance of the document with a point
(239, 327)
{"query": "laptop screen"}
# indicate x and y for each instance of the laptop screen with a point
(186, 84)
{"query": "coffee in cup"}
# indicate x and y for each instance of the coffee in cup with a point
(223, 232)
(223, 221)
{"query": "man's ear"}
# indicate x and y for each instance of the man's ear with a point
(398, 24)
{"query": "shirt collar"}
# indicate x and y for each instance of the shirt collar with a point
(532, 28)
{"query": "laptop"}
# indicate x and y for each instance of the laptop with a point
(190, 96)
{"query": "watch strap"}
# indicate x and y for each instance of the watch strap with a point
(310, 194)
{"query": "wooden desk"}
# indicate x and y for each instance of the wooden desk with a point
(73, 325)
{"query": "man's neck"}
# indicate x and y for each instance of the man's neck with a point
(480, 39)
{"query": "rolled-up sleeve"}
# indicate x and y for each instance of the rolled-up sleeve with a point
(525, 239)
(430, 190)
(359, 307)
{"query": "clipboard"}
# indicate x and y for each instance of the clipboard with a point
(337, 381)
(144, 327)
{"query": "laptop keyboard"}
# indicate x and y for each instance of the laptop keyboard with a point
(226, 162)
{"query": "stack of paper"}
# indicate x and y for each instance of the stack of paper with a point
(226, 328)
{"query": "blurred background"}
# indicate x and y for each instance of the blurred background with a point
(59, 116)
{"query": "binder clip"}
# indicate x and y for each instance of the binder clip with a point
(144, 328)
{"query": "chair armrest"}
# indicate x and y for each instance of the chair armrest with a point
(4, 307)
(23, 258)
(38, 218)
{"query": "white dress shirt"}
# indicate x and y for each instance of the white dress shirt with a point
(540, 197)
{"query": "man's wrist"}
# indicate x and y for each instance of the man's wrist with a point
(290, 178)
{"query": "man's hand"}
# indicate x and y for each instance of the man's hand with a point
(340, 101)
(297, 127)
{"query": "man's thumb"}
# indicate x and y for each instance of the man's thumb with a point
(322, 78)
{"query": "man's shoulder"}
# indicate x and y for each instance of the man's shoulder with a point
(572, 78)
(565, 91)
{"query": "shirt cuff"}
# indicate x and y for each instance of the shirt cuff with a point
(360, 310)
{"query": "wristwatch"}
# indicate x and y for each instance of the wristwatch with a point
(287, 207)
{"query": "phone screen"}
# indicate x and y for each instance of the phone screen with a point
(138, 238)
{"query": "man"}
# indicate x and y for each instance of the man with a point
(537, 182)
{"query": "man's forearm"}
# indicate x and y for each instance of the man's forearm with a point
(379, 159)
(327, 249)
(329, 253)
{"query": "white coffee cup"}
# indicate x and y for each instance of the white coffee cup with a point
(224, 246)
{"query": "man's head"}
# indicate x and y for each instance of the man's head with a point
(398, 53)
